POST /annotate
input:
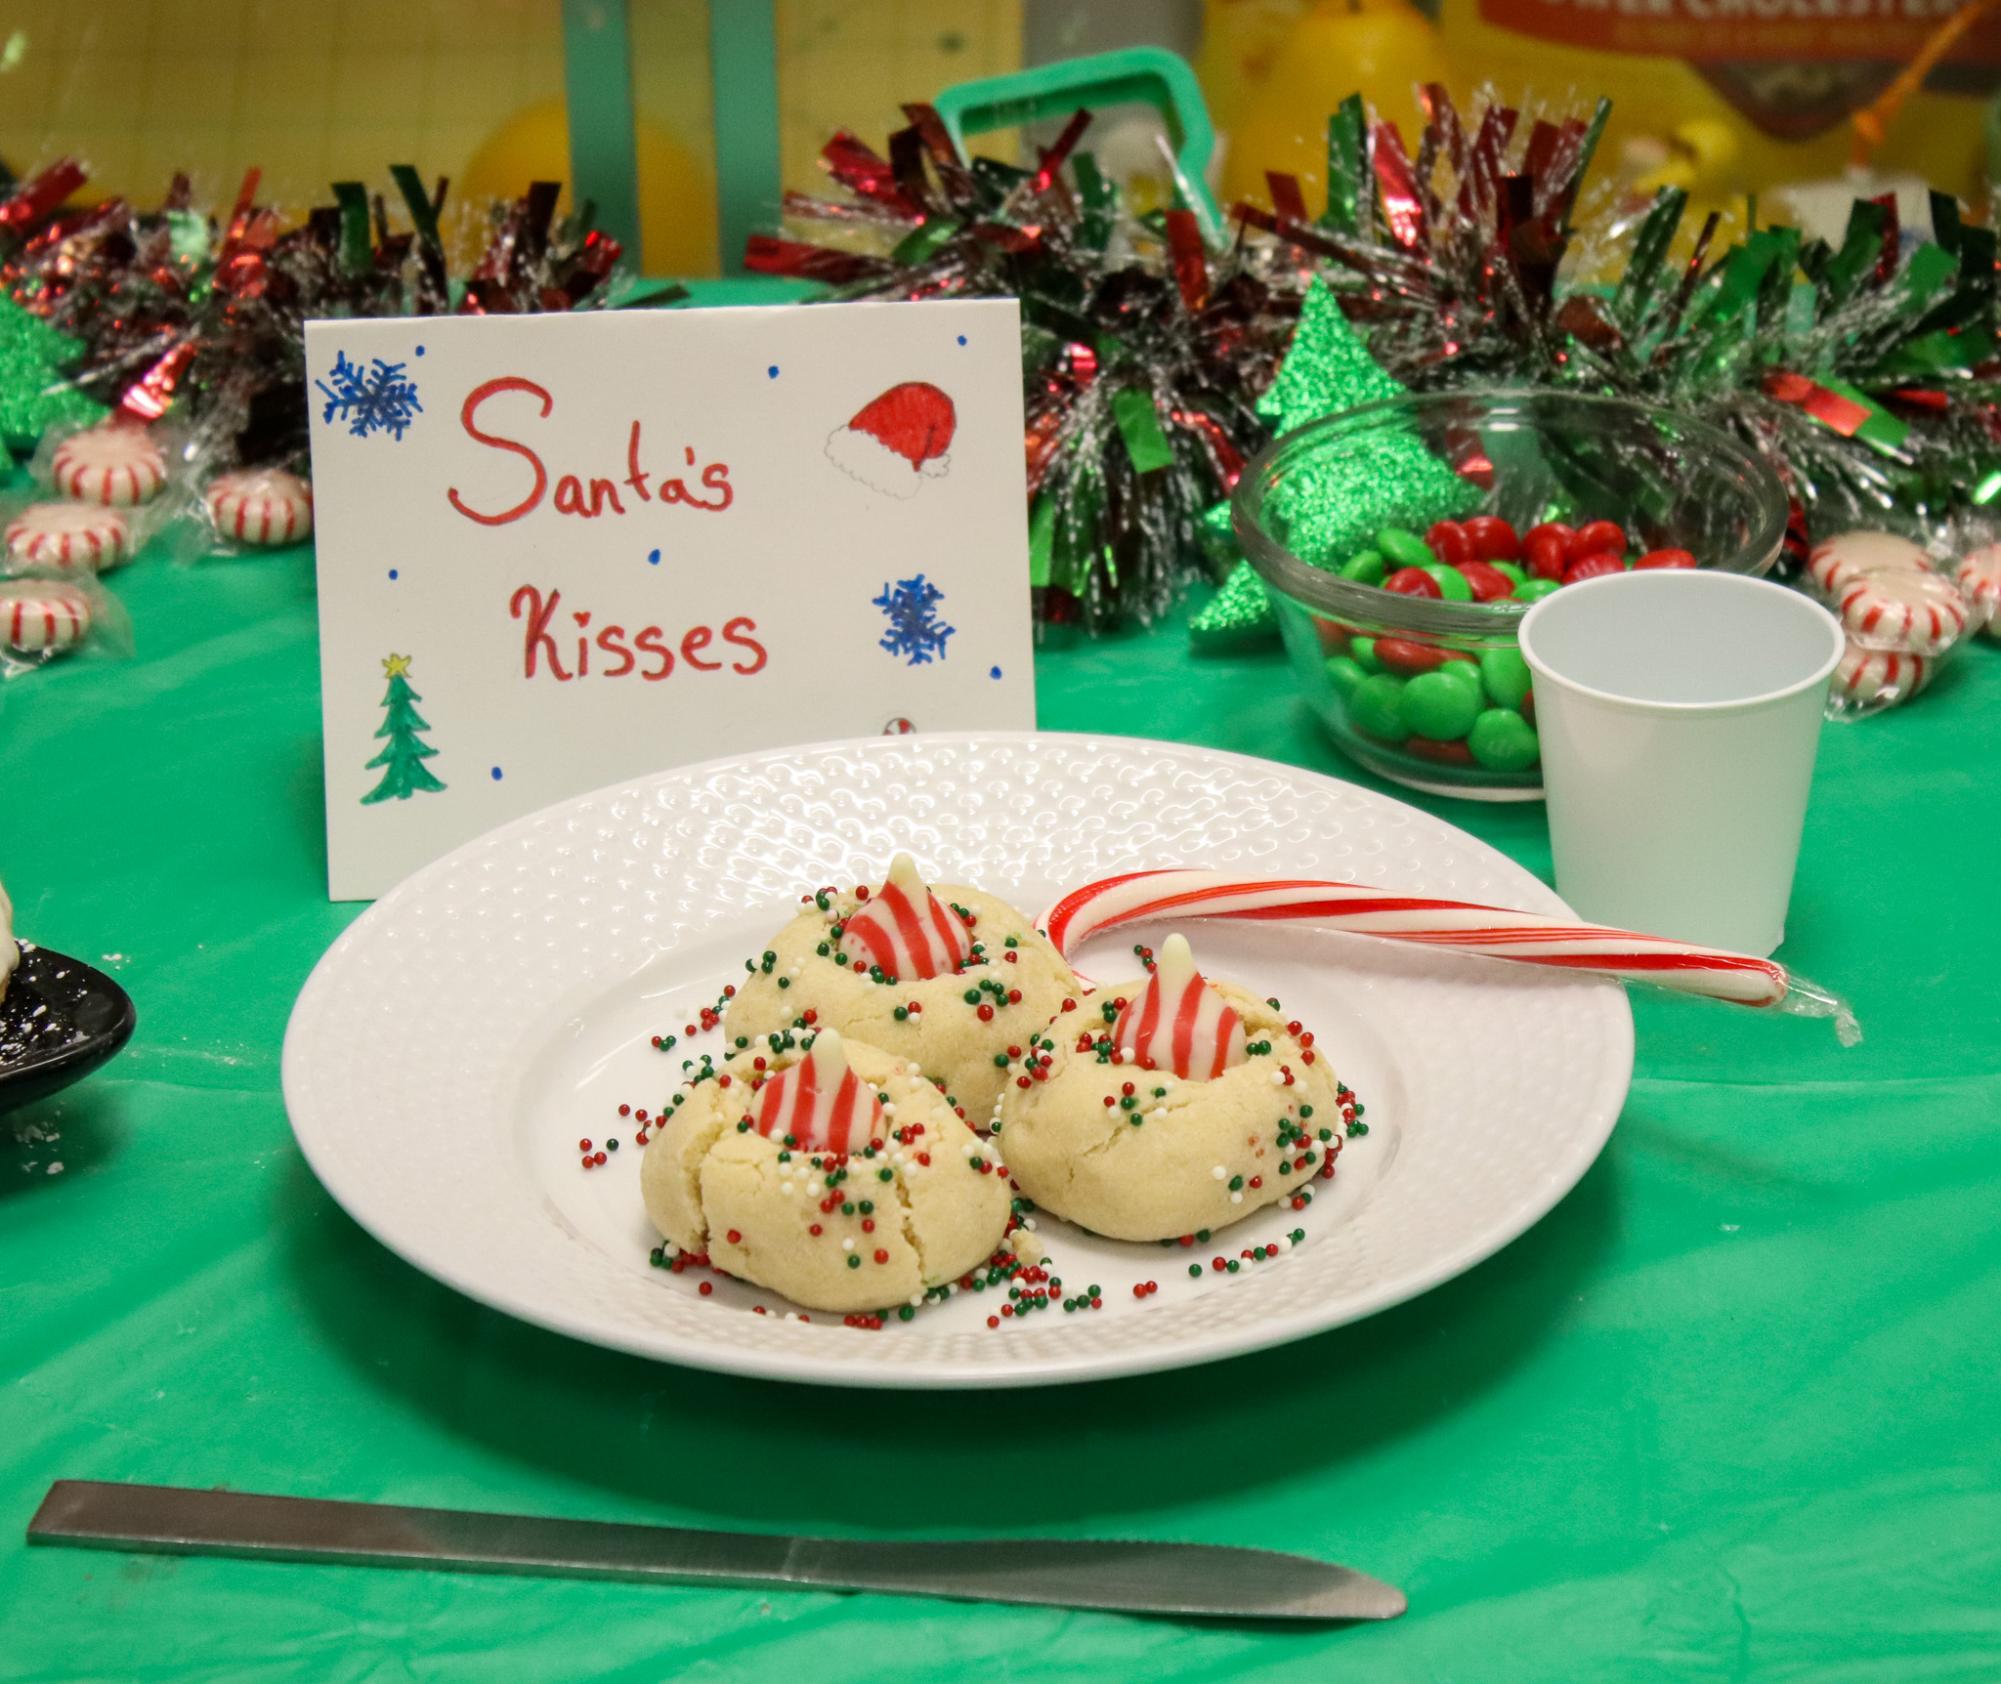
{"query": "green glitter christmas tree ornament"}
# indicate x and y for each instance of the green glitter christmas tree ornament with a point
(1238, 616)
(1327, 368)
(35, 391)
(1329, 508)
(1393, 482)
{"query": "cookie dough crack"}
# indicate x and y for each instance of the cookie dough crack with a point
(907, 1222)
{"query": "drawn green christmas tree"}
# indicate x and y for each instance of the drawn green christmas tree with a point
(403, 751)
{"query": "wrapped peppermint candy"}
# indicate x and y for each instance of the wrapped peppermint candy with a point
(1978, 576)
(42, 533)
(116, 464)
(50, 614)
(246, 511)
(1902, 614)
(67, 538)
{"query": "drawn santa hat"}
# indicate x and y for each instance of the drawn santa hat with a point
(896, 441)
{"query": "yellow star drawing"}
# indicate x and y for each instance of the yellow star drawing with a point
(395, 666)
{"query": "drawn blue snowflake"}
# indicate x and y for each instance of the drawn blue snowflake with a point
(382, 399)
(915, 631)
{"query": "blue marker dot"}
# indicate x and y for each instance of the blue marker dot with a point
(496, 774)
(394, 574)
(771, 373)
(962, 339)
(420, 349)
(993, 672)
(652, 558)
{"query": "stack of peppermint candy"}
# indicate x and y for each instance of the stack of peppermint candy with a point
(102, 478)
(1903, 611)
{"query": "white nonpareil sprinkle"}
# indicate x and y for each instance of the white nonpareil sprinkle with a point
(1236, 1198)
(1278, 1079)
(1220, 1173)
(848, 1244)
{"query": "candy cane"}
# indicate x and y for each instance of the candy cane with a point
(1530, 938)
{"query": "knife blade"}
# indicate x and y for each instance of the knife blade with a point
(1200, 1581)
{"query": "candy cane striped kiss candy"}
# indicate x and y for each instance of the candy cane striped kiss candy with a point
(261, 506)
(42, 616)
(69, 536)
(116, 464)
(905, 929)
(1979, 580)
(819, 1104)
(1890, 608)
(1871, 678)
(1524, 938)
(1834, 564)
(1178, 1022)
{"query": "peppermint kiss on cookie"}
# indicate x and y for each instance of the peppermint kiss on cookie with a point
(949, 977)
(829, 1171)
(1182, 1104)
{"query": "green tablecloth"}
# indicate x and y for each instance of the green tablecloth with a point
(1730, 1411)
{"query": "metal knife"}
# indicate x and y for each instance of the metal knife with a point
(1200, 1581)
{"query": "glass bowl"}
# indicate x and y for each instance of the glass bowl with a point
(1527, 456)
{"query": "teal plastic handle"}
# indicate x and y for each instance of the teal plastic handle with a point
(1134, 76)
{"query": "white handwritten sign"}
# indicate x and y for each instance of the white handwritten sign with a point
(558, 551)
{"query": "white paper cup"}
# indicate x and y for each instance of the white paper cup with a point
(1679, 712)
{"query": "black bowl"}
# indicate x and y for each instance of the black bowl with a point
(59, 1021)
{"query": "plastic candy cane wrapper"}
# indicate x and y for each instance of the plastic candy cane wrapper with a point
(55, 614)
(1522, 938)
(1905, 611)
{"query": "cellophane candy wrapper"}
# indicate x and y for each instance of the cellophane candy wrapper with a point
(116, 463)
(54, 615)
(1902, 609)
(43, 532)
(1976, 570)
(242, 511)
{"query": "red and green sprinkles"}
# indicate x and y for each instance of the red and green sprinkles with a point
(1303, 1151)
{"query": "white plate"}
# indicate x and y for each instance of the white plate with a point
(452, 1047)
